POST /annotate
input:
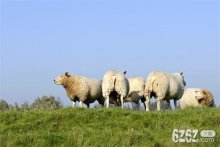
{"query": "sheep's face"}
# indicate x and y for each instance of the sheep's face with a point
(60, 80)
(200, 95)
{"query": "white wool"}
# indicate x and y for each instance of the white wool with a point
(136, 91)
(192, 96)
(115, 81)
(79, 88)
(189, 98)
(165, 86)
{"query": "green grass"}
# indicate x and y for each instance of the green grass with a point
(104, 127)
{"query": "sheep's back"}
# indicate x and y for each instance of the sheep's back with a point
(136, 85)
(115, 81)
(94, 87)
(176, 88)
(107, 83)
(121, 85)
(157, 82)
(188, 99)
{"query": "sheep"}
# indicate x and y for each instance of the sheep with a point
(82, 89)
(115, 86)
(136, 91)
(195, 97)
(163, 86)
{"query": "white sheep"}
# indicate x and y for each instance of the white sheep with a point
(82, 89)
(195, 97)
(115, 86)
(136, 91)
(164, 86)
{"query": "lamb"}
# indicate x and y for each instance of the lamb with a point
(136, 91)
(195, 97)
(115, 86)
(164, 86)
(82, 89)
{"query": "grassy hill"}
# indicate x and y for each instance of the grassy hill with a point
(104, 127)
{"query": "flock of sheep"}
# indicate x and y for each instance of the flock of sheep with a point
(116, 89)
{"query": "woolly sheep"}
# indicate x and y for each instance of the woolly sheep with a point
(164, 86)
(194, 97)
(136, 91)
(115, 86)
(82, 89)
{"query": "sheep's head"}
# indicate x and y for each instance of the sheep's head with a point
(184, 82)
(200, 95)
(60, 80)
(204, 97)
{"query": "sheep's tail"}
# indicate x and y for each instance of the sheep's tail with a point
(152, 83)
(149, 85)
(114, 80)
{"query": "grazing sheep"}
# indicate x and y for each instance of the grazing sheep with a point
(82, 89)
(164, 86)
(136, 91)
(115, 86)
(194, 97)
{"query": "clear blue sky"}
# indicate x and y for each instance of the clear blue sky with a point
(42, 39)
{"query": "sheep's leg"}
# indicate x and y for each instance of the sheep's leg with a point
(81, 104)
(159, 104)
(122, 101)
(74, 104)
(101, 102)
(107, 102)
(87, 105)
(175, 103)
(144, 106)
(143, 101)
(118, 100)
(168, 102)
(133, 106)
(147, 104)
(138, 106)
(116, 104)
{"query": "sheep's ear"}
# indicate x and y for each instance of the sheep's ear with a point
(181, 73)
(125, 72)
(204, 92)
(67, 74)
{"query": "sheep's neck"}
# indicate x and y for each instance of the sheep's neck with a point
(69, 86)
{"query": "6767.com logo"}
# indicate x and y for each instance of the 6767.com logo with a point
(190, 136)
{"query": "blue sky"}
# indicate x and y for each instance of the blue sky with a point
(42, 39)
